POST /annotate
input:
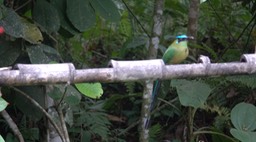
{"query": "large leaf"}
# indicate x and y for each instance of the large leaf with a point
(243, 136)
(10, 51)
(73, 96)
(19, 27)
(31, 32)
(69, 117)
(1, 139)
(56, 92)
(3, 104)
(11, 138)
(192, 93)
(42, 54)
(46, 15)
(219, 138)
(11, 22)
(86, 136)
(92, 90)
(23, 104)
(107, 9)
(243, 117)
(60, 5)
(80, 14)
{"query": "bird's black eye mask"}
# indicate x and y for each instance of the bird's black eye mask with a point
(182, 39)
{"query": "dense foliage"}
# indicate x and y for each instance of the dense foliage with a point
(89, 33)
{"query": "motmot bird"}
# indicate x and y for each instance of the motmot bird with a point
(175, 54)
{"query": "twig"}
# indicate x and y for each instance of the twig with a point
(136, 19)
(11, 123)
(43, 111)
(25, 3)
(63, 96)
(63, 124)
(153, 112)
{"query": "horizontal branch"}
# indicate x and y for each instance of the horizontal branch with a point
(119, 71)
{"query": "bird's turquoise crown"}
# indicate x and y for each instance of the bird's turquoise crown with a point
(181, 36)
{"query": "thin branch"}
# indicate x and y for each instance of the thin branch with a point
(11, 123)
(63, 124)
(248, 37)
(136, 19)
(214, 133)
(218, 16)
(235, 40)
(63, 96)
(24, 4)
(153, 112)
(42, 109)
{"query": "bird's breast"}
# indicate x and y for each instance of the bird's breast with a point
(181, 54)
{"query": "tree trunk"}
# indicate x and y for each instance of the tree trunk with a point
(193, 18)
(148, 87)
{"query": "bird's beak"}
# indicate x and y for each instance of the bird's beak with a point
(191, 37)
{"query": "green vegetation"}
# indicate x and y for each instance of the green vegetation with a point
(89, 33)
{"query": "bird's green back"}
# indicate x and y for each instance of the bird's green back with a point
(176, 52)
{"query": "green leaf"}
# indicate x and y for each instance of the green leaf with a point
(243, 117)
(77, 49)
(73, 96)
(11, 138)
(31, 32)
(248, 80)
(206, 48)
(232, 55)
(31, 134)
(11, 22)
(1, 139)
(92, 90)
(55, 92)
(60, 6)
(69, 117)
(19, 27)
(192, 93)
(220, 138)
(107, 9)
(11, 51)
(125, 27)
(46, 15)
(3, 104)
(80, 14)
(155, 131)
(23, 104)
(41, 54)
(86, 136)
(243, 136)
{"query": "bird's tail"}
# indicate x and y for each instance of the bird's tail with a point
(155, 91)
(156, 88)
